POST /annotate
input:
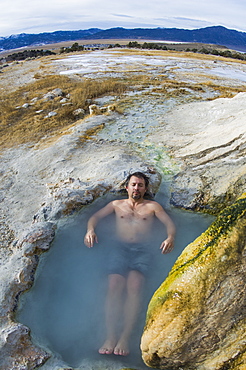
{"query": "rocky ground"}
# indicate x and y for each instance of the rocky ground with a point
(201, 142)
(196, 319)
(211, 147)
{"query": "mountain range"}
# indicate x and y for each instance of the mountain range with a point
(217, 35)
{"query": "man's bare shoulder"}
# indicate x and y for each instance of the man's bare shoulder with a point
(154, 205)
(151, 202)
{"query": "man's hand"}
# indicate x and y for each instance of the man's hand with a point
(167, 245)
(90, 238)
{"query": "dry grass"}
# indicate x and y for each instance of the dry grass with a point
(90, 133)
(20, 125)
(25, 125)
(181, 88)
(223, 91)
(174, 88)
(178, 90)
(177, 54)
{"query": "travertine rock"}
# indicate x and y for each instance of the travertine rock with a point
(196, 319)
(60, 196)
(25, 354)
(209, 140)
(16, 349)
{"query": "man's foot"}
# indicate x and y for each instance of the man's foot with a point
(122, 349)
(107, 348)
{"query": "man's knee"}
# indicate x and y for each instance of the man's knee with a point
(135, 282)
(116, 282)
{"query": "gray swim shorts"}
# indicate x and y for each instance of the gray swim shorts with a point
(129, 256)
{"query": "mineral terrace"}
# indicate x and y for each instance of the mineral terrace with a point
(182, 118)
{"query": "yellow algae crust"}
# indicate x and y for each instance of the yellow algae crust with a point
(200, 251)
(199, 308)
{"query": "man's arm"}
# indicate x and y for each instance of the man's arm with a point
(90, 236)
(168, 244)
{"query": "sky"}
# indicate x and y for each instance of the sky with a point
(36, 16)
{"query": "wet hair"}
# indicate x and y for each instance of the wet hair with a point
(140, 175)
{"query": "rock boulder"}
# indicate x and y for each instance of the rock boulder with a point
(196, 319)
(208, 140)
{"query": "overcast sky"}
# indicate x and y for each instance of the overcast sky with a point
(35, 16)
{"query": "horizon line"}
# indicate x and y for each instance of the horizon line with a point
(127, 28)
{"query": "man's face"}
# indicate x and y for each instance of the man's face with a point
(136, 188)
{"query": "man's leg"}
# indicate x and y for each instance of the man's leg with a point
(134, 288)
(113, 311)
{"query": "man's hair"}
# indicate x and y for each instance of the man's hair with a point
(140, 175)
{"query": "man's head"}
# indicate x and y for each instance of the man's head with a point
(136, 185)
(140, 175)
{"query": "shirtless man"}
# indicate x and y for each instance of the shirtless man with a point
(131, 258)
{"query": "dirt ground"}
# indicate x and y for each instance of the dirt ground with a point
(55, 47)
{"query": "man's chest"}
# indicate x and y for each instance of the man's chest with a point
(129, 215)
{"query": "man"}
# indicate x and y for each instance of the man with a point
(130, 259)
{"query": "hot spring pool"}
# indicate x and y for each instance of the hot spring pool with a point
(65, 307)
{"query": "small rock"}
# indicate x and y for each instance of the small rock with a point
(111, 108)
(49, 96)
(79, 113)
(103, 109)
(57, 92)
(94, 109)
(68, 103)
(64, 100)
(51, 114)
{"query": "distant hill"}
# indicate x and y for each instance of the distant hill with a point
(210, 35)
(26, 39)
(217, 35)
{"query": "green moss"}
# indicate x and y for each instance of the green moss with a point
(219, 228)
(202, 246)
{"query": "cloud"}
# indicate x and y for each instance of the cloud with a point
(50, 15)
(190, 23)
(122, 15)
